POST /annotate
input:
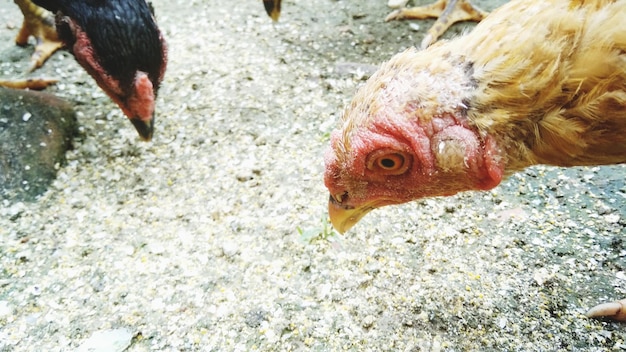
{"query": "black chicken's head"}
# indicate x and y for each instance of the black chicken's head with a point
(119, 44)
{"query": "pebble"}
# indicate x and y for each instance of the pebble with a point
(115, 340)
(394, 4)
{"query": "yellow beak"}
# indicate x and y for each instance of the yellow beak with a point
(342, 217)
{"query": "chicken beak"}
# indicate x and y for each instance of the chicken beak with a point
(272, 7)
(144, 128)
(344, 217)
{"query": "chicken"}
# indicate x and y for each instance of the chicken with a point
(536, 82)
(39, 23)
(447, 12)
(116, 41)
(272, 7)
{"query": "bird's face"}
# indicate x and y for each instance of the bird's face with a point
(365, 174)
(394, 161)
(138, 104)
(407, 135)
(127, 60)
(135, 98)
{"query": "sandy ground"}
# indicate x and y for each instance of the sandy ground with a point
(213, 237)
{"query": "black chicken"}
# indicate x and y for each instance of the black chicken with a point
(116, 41)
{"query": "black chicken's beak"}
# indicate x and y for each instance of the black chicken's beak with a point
(144, 128)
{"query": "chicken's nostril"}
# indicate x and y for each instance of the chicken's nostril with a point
(338, 198)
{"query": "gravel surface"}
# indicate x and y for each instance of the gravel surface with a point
(214, 236)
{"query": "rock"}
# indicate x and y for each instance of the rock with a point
(36, 130)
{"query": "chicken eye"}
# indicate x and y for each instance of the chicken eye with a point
(389, 162)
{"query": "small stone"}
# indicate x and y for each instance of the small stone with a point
(230, 249)
(115, 340)
(395, 4)
(542, 276)
(612, 218)
(502, 322)
(5, 309)
(414, 26)
(368, 321)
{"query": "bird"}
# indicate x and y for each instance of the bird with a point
(117, 42)
(38, 23)
(447, 12)
(535, 82)
(272, 8)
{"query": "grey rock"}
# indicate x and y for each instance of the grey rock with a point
(36, 130)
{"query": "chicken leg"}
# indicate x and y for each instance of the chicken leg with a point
(38, 23)
(447, 12)
(613, 310)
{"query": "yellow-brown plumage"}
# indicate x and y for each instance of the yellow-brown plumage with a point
(552, 81)
(536, 82)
